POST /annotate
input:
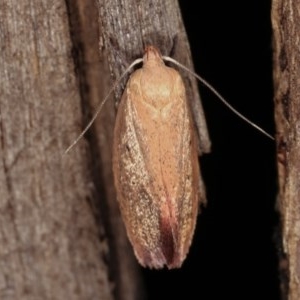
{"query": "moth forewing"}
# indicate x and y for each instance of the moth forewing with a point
(155, 164)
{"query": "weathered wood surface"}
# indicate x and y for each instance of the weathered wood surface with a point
(286, 30)
(51, 246)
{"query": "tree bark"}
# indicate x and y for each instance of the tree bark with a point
(286, 29)
(61, 233)
(51, 247)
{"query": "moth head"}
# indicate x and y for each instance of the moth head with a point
(152, 56)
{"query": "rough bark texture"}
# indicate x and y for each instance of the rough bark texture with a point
(286, 26)
(61, 234)
(51, 246)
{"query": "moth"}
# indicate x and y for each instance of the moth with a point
(155, 164)
(155, 161)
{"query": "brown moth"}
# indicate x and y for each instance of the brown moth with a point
(155, 160)
(155, 164)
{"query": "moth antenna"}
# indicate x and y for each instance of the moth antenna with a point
(209, 86)
(100, 105)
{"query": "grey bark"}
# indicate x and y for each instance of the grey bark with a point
(61, 234)
(51, 246)
(286, 30)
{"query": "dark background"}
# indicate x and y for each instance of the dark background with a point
(234, 252)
